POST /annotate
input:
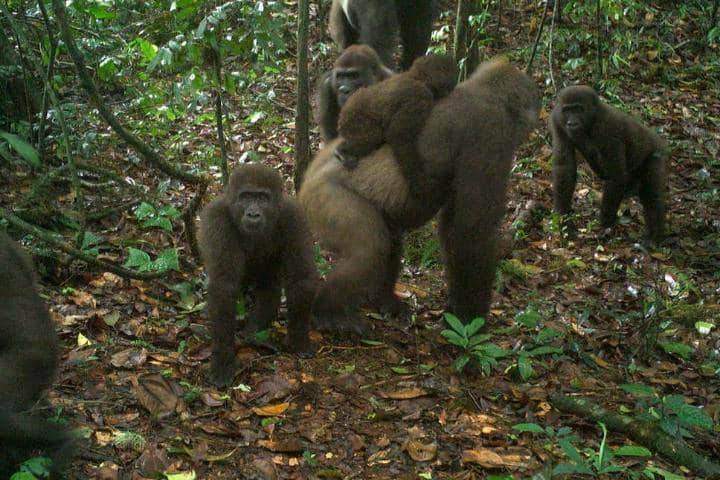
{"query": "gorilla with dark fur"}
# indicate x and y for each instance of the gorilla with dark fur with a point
(394, 112)
(255, 236)
(466, 150)
(626, 155)
(358, 66)
(377, 22)
(28, 360)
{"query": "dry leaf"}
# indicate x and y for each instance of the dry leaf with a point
(404, 394)
(289, 445)
(271, 410)
(421, 452)
(155, 394)
(130, 358)
(483, 457)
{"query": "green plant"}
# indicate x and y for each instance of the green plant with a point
(474, 345)
(150, 217)
(33, 469)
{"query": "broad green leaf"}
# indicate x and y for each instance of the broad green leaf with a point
(547, 334)
(144, 210)
(571, 469)
(24, 149)
(544, 350)
(100, 12)
(474, 326)
(181, 476)
(460, 362)
(693, 416)
(39, 466)
(478, 339)
(169, 211)
(23, 476)
(638, 389)
(664, 473)
(685, 351)
(400, 370)
(632, 451)
(159, 222)
(167, 260)
(528, 427)
(454, 338)
(138, 259)
(571, 452)
(491, 350)
(529, 318)
(704, 328)
(525, 367)
(90, 240)
(455, 323)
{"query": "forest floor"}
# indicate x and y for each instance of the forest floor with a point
(596, 317)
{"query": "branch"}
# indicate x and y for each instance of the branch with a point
(647, 434)
(528, 69)
(86, 81)
(302, 115)
(51, 239)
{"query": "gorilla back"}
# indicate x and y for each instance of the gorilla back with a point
(465, 152)
(28, 359)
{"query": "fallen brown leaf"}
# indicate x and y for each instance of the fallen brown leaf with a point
(404, 394)
(271, 410)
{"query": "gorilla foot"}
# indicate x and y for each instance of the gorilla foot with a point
(222, 374)
(346, 324)
(394, 307)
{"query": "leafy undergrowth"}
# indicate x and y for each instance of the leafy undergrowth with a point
(596, 316)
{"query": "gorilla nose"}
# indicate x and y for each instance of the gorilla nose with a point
(572, 124)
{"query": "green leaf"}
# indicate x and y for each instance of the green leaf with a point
(525, 367)
(90, 240)
(24, 149)
(491, 350)
(160, 222)
(528, 427)
(455, 323)
(529, 318)
(693, 416)
(570, 469)
(167, 260)
(704, 328)
(144, 210)
(478, 339)
(400, 370)
(474, 326)
(23, 476)
(547, 334)
(544, 350)
(100, 12)
(571, 452)
(372, 343)
(638, 389)
(460, 362)
(39, 466)
(138, 259)
(454, 338)
(632, 451)
(181, 476)
(664, 473)
(169, 211)
(685, 351)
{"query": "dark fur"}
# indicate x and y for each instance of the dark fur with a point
(28, 360)
(278, 253)
(622, 152)
(377, 22)
(394, 112)
(358, 66)
(466, 150)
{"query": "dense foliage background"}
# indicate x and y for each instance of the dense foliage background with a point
(117, 122)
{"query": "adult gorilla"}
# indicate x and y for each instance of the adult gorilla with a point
(465, 153)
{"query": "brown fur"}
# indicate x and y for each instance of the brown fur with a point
(377, 22)
(394, 112)
(28, 360)
(358, 66)
(466, 150)
(278, 253)
(623, 153)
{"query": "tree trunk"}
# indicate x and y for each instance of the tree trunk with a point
(302, 116)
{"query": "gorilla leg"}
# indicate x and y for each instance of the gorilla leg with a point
(469, 229)
(299, 304)
(415, 19)
(385, 298)
(222, 298)
(613, 193)
(652, 192)
(378, 28)
(564, 171)
(267, 302)
(359, 234)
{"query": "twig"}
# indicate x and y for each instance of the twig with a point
(219, 108)
(528, 69)
(48, 76)
(550, 45)
(188, 216)
(49, 238)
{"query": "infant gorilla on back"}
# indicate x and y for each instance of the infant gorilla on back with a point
(394, 111)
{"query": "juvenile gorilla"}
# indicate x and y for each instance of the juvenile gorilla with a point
(28, 360)
(394, 112)
(625, 155)
(255, 236)
(465, 149)
(358, 66)
(376, 23)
